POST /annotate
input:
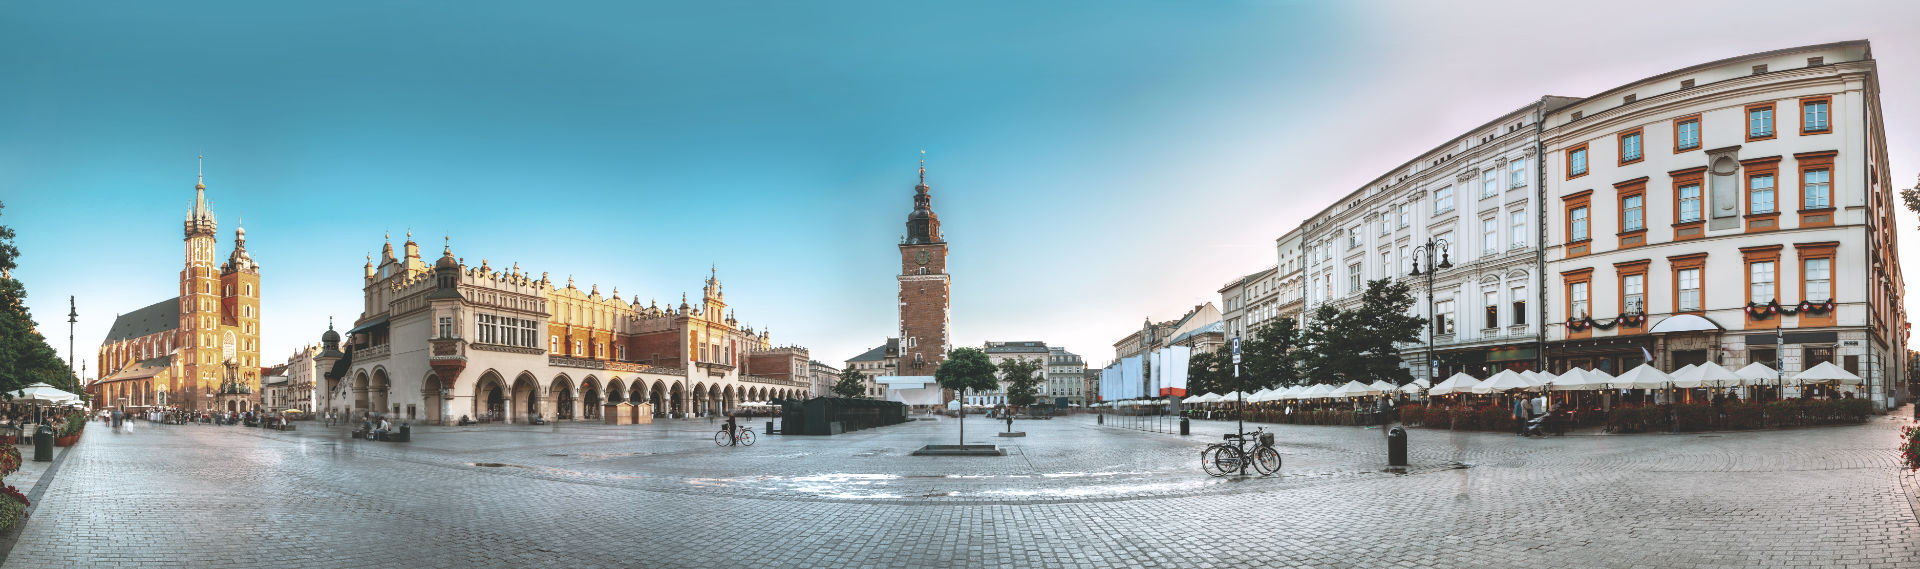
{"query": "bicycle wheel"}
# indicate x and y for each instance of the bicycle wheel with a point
(720, 438)
(1206, 461)
(1266, 460)
(746, 437)
(1227, 460)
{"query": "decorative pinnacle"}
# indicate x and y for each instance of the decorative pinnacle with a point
(923, 166)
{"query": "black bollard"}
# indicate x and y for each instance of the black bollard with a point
(1397, 447)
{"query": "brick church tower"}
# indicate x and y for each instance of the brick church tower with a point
(924, 324)
(219, 313)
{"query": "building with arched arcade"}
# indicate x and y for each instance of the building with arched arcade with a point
(437, 342)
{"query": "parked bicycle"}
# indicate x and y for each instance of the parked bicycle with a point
(1233, 456)
(742, 436)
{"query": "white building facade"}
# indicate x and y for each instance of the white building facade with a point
(1736, 211)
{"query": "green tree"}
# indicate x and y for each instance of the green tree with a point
(1269, 359)
(852, 385)
(966, 368)
(1210, 372)
(1359, 344)
(25, 355)
(1021, 378)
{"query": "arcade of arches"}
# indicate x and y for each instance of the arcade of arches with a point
(514, 398)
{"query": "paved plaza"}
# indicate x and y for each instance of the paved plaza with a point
(1071, 494)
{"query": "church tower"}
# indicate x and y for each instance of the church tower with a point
(924, 284)
(200, 307)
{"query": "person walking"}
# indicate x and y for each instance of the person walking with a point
(1520, 416)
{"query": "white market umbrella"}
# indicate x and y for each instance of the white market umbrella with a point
(1318, 391)
(1459, 383)
(42, 394)
(1712, 375)
(1683, 369)
(1354, 389)
(1643, 377)
(1685, 376)
(1757, 373)
(1826, 372)
(1292, 392)
(1412, 388)
(1574, 380)
(1383, 386)
(1501, 382)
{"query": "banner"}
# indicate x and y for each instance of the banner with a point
(1156, 373)
(1175, 382)
(1133, 383)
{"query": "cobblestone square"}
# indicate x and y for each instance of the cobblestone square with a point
(1070, 494)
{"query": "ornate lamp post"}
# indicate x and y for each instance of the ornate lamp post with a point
(1429, 250)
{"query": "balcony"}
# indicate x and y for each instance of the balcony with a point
(373, 352)
(585, 363)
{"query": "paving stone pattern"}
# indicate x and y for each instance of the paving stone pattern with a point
(1072, 494)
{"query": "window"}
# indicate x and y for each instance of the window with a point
(1816, 355)
(1768, 356)
(553, 344)
(1633, 213)
(1490, 235)
(1386, 227)
(1633, 292)
(1760, 193)
(1489, 183)
(1519, 305)
(1686, 134)
(1386, 264)
(1817, 188)
(1813, 115)
(1518, 171)
(1443, 199)
(1406, 261)
(1406, 215)
(1630, 147)
(1493, 310)
(1689, 203)
(1578, 218)
(1760, 278)
(1577, 297)
(576, 347)
(1760, 121)
(1353, 237)
(1819, 274)
(1443, 317)
(1518, 221)
(1353, 278)
(1689, 300)
(1577, 161)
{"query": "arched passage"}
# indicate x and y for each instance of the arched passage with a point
(616, 391)
(657, 396)
(525, 399)
(677, 396)
(379, 390)
(430, 393)
(561, 391)
(590, 399)
(360, 404)
(490, 397)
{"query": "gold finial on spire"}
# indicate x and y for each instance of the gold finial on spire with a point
(923, 166)
(200, 180)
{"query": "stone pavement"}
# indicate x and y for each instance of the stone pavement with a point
(1071, 494)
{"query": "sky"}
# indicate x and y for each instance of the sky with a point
(1093, 163)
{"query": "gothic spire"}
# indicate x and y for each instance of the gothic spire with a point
(923, 226)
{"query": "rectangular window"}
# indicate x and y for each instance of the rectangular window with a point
(1817, 188)
(1490, 235)
(1630, 147)
(528, 331)
(1443, 317)
(1760, 278)
(1577, 161)
(1760, 193)
(1813, 115)
(1489, 183)
(1406, 215)
(1518, 172)
(1386, 227)
(446, 327)
(1633, 213)
(1493, 310)
(1633, 290)
(576, 347)
(1518, 221)
(1353, 278)
(1519, 305)
(1760, 122)
(1353, 237)
(1768, 356)
(553, 344)
(1689, 203)
(1686, 134)
(1443, 199)
(1577, 295)
(1819, 273)
(1386, 264)
(1578, 217)
(1406, 261)
(1689, 280)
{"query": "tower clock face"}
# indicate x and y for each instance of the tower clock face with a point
(923, 256)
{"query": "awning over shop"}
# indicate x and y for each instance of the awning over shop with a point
(369, 325)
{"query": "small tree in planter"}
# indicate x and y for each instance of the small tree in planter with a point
(966, 368)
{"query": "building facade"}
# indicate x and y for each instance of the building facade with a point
(1250, 301)
(1473, 202)
(303, 375)
(1066, 376)
(1291, 272)
(1752, 217)
(180, 351)
(998, 352)
(435, 343)
(823, 377)
(880, 361)
(924, 287)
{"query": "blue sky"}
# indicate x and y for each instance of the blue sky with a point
(1093, 163)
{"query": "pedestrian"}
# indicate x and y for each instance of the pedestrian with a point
(129, 425)
(1520, 416)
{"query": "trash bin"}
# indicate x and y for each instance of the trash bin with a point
(43, 444)
(1100, 419)
(405, 434)
(769, 427)
(1396, 447)
(1185, 427)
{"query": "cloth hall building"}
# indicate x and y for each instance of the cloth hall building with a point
(438, 342)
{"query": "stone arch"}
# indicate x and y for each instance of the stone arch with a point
(490, 397)
(380, 391)
(677, 399)
(616, 391)
(526, 398)
(430, 394)
(729, 398)
(657, 395)
(637, 392)
(565, 404)
(696, 399)
(360, 382)
(714, 399)
(591, 399)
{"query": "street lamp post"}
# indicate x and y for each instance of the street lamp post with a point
(1428, 250)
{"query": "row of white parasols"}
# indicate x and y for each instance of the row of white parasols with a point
(1708, 375)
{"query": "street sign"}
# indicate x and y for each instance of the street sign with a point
(1236, 346)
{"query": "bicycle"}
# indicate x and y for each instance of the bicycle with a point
(744, 437)
(1221, 459)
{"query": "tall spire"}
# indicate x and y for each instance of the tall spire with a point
(923, 167)
(200, 221)
(923, 226)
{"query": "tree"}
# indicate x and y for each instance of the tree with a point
(25, 355)
(1268, 358)
(1360, 344)
(1210, 372)
(966, 368)
(852, 385)
(1019, 377)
